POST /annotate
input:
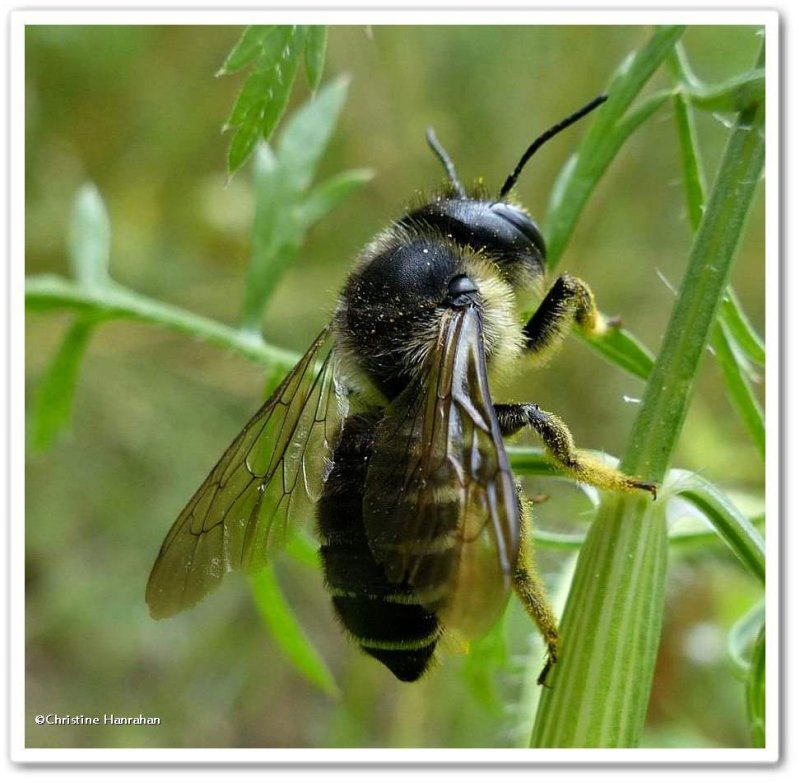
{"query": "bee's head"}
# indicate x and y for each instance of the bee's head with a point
(503, 230)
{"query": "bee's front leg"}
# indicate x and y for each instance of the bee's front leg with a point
(559, 443)
(570, 301)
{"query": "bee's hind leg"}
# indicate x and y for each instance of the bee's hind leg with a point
(531, 592)
(559, 443)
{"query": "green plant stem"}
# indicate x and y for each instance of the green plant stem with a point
(50, 292)
(733, 339)
(612, 621)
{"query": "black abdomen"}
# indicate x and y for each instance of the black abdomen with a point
(383, 616)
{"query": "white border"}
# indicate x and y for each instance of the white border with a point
(769, 19)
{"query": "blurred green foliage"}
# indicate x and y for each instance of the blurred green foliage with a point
(136, 111)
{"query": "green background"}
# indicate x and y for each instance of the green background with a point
(138, 111)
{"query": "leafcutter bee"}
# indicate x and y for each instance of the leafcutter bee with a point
(386, 435)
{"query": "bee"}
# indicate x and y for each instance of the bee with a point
(385, 433)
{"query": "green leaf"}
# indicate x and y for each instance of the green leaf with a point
(52, 407)
(289, 636)
(736, 373)
(304, 549)
(742, 638)
(243, 141)
(328, 195)
(622, 348)
(249, 101)
(281, 181)
(741, 331)
(251, 45)
(733, 527)
(265, 94)
(735, 95)
(606, 134)
(316, 44)
(90, 238)
(307, 134)
(487, 656)
(756, 691)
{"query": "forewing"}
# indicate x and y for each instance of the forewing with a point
(265, 482)
(440, 505)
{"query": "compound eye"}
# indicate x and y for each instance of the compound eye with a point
(461, 284)
(461, 291)
(521, 223)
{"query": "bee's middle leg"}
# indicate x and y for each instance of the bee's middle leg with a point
(559, 443)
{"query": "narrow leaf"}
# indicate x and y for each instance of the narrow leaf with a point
(735, 95)
(248, 48)
(52, 407)
(281, 180)
(283, 75)
(244, 140)
(742, 638)
(620, 347)
(90, 238)
(307, 134)
(316, 44)
(757, 690)
(248, 104)
(741, 330)
(611, 634)
(289, 636)
(265, 93)
(604, 138)
(304, 549)
(328, 195)
(736, 374)
(733, 527)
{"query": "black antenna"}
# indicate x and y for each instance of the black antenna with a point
(546, 136)
(445, 160)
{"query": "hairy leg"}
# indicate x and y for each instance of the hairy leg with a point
(531, 592)
(559, 443)
(570, 301)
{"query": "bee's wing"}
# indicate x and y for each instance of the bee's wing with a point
(265, 482)
(440, 506)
